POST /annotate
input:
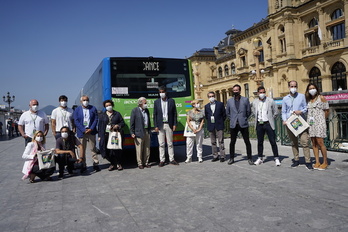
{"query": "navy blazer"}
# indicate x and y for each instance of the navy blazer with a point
(241, 115)
(158, 115)
(219, 116)
(137, 123)
(79, 117)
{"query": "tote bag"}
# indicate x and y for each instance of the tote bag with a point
(188, 132)
(296, 124)
(114, 141)
(46, 159)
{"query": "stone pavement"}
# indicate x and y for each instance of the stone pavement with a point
(190, 197)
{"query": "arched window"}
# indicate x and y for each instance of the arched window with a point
(313, 37)
(314, 77)
(337, 30)
(233, 68)
(338, 76)
(226, 70)
(220, 72)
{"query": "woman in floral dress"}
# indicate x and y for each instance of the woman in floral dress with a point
(318, 111)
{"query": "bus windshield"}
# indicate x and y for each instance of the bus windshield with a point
(134, 79)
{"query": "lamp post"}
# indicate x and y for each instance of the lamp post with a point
(8, 99)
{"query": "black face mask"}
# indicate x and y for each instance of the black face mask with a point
(236, 94)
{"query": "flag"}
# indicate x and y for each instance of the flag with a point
(320, 35)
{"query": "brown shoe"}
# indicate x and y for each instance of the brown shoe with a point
(173, 162)
(161, 164)
(148, 166)
(316, 165)
(141, 167)
(323, 166)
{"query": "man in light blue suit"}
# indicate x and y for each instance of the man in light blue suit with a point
(238, 111)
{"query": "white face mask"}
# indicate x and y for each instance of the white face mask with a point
(144, 106)
(198, 106)
(35, 108)
(64, 135)
(162, 95)
(312, 92)
(108, 108)
(212, 99)
(85, 103)
(262, 95)
(63, 103)
(293, 90)
(38, 139)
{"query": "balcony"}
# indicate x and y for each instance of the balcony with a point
(333, 44)
(310, 51)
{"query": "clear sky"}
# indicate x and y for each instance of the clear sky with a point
(51, 47)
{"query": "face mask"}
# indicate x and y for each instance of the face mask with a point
(236, 94)
(212, 99)
(108, 108)
(198, 106)
(144, 106)
(38, 139)
(35, 108)
(63, 103)
(162, 95)
(64, 135)
(262, 95)
(293, 90)
(312, 92)
(85, 103)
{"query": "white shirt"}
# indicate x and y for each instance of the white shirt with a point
(33, 122)
(63, 117)
(86, 118)
(262, 111)
(212, 107)
(164, 105)
(144, 117)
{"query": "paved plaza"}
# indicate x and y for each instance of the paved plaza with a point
(190, 197)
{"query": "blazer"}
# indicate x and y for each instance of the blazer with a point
(219, 116)
(241, 115)
(158, 115)
(272, 110)
(78, 119)
(137, 123)
(116, 119)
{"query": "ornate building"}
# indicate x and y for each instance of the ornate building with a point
(302, 40)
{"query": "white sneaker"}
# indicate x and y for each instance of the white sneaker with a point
(258, 161)
(200, 160)
(188, 160)
(277, 162)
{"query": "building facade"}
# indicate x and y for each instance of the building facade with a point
(302, 40)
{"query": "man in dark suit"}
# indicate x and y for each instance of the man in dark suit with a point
(165, 120)
(215, 114)
(140, 126)
(238, 111)
(86, 121)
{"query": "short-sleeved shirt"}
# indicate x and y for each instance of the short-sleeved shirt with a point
(196, 117)
(63, 117)
(68, 144)
(33, 122)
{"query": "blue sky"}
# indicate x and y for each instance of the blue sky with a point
(50, 47)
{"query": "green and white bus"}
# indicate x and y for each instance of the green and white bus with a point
(125, 79)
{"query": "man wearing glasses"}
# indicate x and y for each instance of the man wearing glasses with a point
(295, 103)
(215, 114)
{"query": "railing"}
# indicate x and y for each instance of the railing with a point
(337, 131)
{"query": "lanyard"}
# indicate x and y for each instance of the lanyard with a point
(34, 119)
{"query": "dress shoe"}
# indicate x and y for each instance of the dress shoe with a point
(231, 161)
(96, 168)
(215, 159)
(119, 167)
(173, 162)
(148, 166)
(111, 168)
(251, 162)
(141, 167)
(161, 164)
(222, 160)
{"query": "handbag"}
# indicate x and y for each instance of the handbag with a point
(188, 132)
(114, 141)
(46, 159)
(296, 124)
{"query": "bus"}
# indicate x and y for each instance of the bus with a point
(125, 79)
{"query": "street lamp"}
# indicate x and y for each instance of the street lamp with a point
(8, 100)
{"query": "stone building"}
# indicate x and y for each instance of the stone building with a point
(302, 40)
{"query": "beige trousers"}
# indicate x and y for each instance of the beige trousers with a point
(90, 141)
(304, 139)
(142, 148)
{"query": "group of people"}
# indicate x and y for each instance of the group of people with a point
(76, 130)
(311, 106)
